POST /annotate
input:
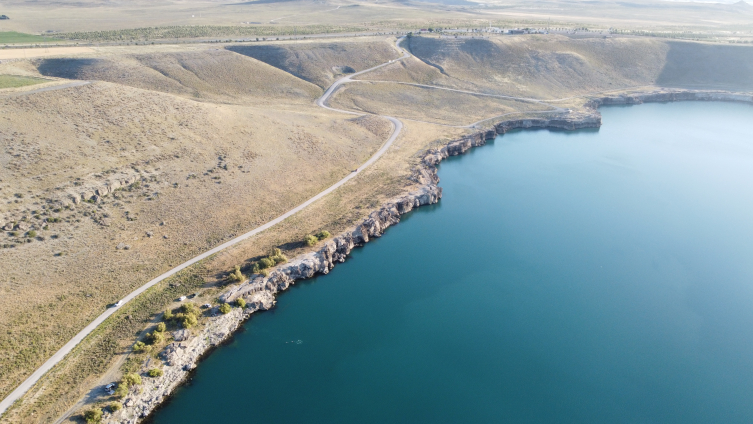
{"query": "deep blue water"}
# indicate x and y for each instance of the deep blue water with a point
(566, 277)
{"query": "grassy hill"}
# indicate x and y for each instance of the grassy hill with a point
(11, 37)
(204, 74)
(321, 62)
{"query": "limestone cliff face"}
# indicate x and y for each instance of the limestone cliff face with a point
(180, 357)
(335, 250)
(670, 96)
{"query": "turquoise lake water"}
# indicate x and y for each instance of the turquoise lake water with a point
(565, 277)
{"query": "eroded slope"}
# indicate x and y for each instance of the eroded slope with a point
(321, 62)
(210, 74)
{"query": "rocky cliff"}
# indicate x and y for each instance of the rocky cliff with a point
(259, 292)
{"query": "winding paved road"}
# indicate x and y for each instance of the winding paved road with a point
(322, 101)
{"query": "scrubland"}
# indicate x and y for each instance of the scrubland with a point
(171, 150)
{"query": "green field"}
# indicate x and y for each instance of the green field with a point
(10, 37)
(13, 81)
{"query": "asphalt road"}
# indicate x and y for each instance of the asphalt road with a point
(60, 354)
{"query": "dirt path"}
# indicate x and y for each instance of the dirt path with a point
(60, 354)
(48, 88)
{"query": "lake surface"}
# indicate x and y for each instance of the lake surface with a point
(566, 277)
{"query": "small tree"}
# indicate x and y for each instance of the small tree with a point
(225, 308)
(93, 415)
(310, 240)
(168, 315)
(33, 234)
(236, 275)
(121, 391)
(321, 235)
(161, 327)
(277, 256)
(115, 406)
(190, 308)
(155, 337)
(155, 372)
(240, 302)
(189, 320)
(266, 262)
(139, 347)
(130, 380)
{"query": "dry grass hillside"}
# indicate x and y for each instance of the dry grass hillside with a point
(539, 66)
(695, 65)
(321, 62)
(426, 104)
(105, 186)
(552, 66)
(209, 74)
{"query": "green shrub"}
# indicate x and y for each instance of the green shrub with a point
(225, 308)
(139, 347)
(277, 256)
(266, 262)
(93, 415)
(236, 275)
(155, 337)
(115, 406)
(155, 372)
(190, 308)
(130, 380)
(310, 240)
(168, 315)
(240, 302)
(32, 234)
(321, 235)
(161, 327)
(121, 391)
(189, 320)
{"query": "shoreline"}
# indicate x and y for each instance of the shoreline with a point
(182, 357)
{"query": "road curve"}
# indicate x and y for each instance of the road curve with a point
(43, 89)
(68, 347)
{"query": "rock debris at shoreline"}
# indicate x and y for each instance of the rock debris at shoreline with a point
(180, 357)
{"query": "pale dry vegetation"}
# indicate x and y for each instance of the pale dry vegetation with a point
(542, 67)
(199, 173)
(322, 62)
(555, 66)
(427, 104)
(205, 144)
(209, 74)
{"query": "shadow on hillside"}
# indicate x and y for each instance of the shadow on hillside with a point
(271, 55)
(66, 68)
(707, 66)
